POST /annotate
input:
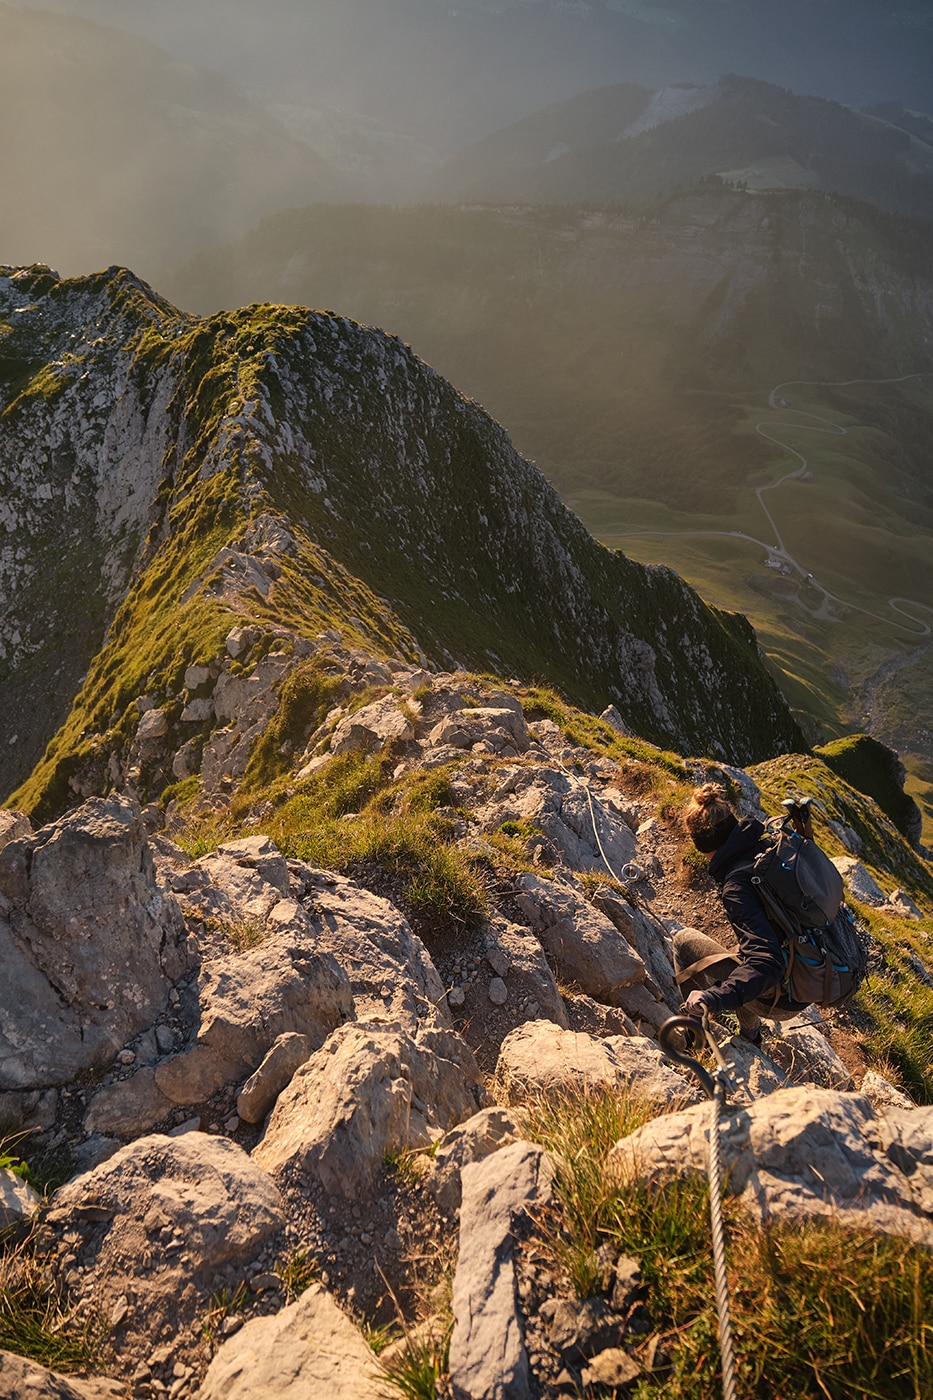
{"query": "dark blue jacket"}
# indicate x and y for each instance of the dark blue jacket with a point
(760, 946)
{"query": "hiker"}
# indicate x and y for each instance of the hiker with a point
(744, 981)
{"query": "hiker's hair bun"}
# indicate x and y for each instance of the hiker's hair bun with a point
(709, 794)
(708, 816)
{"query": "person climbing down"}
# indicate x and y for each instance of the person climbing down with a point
(748, 980)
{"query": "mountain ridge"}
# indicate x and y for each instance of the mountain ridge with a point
(303, 466)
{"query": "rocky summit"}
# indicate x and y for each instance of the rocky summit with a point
(337, 899)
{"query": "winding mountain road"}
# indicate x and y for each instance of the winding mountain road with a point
(778, 548)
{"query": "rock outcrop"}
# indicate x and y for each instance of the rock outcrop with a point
(89, 944)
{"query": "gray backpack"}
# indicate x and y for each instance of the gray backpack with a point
(801, 891)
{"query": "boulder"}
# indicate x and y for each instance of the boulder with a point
(382, 722)
(583, 944)
(859, 882)
(391, 973)
(797, 1154)
(261, 1090)
(13, 826)
(517, 957)
(27, 1380)
(488, 1360)
(153, 725)
(246, 1003)
(881, 1093)
(487, 1131)
(643, 1005)
(369, 1091)
(128, 1108)
(18, 1201)
(539, 1058)
(496, 727)
(806, 1056)
(166, 1221)
(907, 1137)
(902, 904)
(89, 944)
(308, 1349)
(647, 936)
(752, 1072)
(559, 806)
(593, 1017)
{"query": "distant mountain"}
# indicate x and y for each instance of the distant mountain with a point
(114, 150)
(446, 75)
(165, 477)
(624, 143)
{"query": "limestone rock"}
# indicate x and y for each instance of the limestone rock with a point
(540, 1058)
(153, 725)
(585, 1014)
(370, 1090)
(799, 1153)
(261, 1090)
(18, 1201)
(246, 1003)
(612, 1368)
(90, 946)
(240, 639)
(382, 722)
(487, 1131)
(488, 1360)
(168, 1220)
(752, 1072)
(881, 1093)
(129, 1107)
(391, 972)
(806, 1056)
(27, 1380)
(308, 1349)
(518, 958)
(611, 716)
(646, 936)
(497, 727)
(559, 807)
(584, 944)
(643, 1005)
(13, 826)
(862, 885)
(904, 905)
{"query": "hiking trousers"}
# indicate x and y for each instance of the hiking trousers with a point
(691, 946)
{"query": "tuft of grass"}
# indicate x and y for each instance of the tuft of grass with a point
(818, 1310)
(199, 833)
(224, 1303)
(11, 1161)
(305, 697)
(36, 1320)
(297, 1272)
(579, 1131)
(420, 1367)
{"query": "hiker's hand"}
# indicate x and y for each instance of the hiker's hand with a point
(695, 1006)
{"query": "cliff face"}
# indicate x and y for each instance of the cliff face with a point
(165, 477)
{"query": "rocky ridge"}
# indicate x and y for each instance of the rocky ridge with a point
(167, 477)
(309, 1074)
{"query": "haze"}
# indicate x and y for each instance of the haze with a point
(113, 152)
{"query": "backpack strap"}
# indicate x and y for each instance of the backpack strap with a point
(701, 965)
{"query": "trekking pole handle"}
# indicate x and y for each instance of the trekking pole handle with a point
(685, 1023)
